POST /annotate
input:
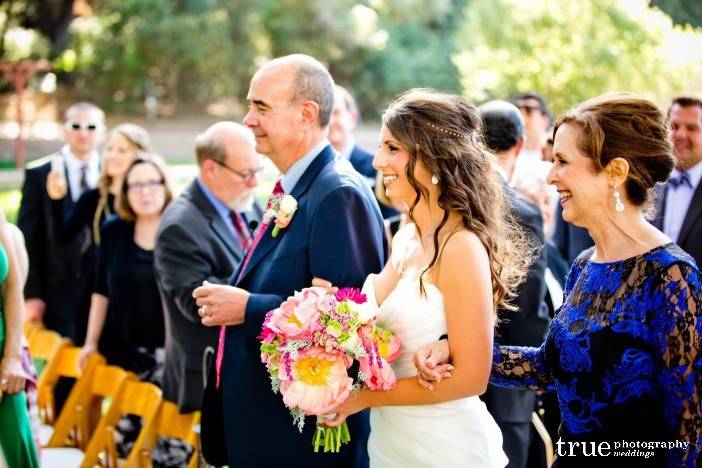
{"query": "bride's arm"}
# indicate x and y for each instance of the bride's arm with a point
(466, 284)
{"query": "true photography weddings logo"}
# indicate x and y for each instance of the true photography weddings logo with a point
(618, 448)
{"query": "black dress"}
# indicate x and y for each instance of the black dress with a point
(134, 326)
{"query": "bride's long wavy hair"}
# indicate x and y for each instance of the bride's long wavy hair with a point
(444, 132)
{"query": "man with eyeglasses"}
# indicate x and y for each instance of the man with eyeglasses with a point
(57, 291)
(203, 236)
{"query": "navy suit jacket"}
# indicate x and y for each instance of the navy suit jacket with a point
(570, 239)
(337, 234)
(690, 237)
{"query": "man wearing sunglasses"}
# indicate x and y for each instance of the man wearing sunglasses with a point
(203, 236)
(57, 291)
(536, 121)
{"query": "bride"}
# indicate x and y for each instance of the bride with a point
(457, 261)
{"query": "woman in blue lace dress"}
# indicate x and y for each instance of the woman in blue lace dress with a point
(623, 352)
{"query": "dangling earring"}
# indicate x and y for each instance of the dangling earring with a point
(435, 179)
(618, 204)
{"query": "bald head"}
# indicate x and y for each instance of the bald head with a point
(214, 141)
(308, 80)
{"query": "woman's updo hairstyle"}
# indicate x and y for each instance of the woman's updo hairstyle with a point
(623, 125)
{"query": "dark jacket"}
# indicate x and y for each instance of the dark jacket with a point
(193, 244)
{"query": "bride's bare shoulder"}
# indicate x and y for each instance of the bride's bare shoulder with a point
(463, 247)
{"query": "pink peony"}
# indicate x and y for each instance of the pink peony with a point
(267, 335)
(375, 376)
(296, 318)
(320, 382)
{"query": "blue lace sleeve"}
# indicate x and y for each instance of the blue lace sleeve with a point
(677, 338)
(520, 367)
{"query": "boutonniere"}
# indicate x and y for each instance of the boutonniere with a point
(281, 211)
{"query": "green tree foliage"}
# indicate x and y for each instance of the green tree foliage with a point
(571, 51)
(179, 51)
(682, 11)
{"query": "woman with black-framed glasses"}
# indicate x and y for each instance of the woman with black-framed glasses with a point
(126, 322)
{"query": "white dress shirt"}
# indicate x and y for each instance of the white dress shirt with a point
(677, 201)
(74, 166)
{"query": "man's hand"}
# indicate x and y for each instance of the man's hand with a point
(220, 304)
(34, 310)
(432, 363)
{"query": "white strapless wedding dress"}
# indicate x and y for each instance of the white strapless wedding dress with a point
(459, 433)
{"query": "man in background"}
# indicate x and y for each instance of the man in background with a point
(203, 236)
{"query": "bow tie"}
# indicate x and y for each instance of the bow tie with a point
(682, 179)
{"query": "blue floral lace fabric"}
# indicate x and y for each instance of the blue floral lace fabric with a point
(623, 354)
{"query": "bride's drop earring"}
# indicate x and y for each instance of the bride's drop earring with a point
(435, 179)
(618, 204)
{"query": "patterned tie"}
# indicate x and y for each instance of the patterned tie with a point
(242, 232)
(277, 192)
(87, 240)
(84, 178)
(682, 179)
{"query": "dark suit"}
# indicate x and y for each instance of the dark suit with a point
(512, 408)
(362, 161)
(337, 234)
(690, 237)
(569, 238)
(193, 244)
(60, 273)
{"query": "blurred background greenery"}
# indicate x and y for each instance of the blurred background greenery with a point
(160, 60)
(195, 54)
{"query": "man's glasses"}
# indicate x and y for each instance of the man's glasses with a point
(145, 186)
(529, 109)
(245, 176)
(75, 126)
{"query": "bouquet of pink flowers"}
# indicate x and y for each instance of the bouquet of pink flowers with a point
(309, 345)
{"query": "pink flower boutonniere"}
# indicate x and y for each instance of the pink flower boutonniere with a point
(281, 212)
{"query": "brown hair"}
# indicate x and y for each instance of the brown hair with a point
(623, 125)
(138, 138)
(443, 132)
(124, 209)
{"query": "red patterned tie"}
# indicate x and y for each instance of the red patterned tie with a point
(242, 231)
(277, 191)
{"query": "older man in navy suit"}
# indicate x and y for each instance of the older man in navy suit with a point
(336, 233)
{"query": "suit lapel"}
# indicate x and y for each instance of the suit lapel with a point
(215, 220)
(659, 193)
(268, 242)
(693, 213)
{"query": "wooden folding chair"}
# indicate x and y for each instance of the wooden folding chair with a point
(169, 423)
(82, 411)
(30, 327)
(65, 365)
(545, 437)
(138, 398)
(43, 347)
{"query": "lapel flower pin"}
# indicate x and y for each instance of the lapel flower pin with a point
(281, 211)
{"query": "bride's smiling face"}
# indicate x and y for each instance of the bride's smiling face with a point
(391, 161)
